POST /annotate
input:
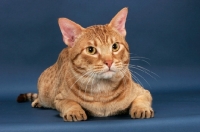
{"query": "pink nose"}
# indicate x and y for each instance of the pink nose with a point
(108, 63)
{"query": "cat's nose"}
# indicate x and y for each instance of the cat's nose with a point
(108, 63)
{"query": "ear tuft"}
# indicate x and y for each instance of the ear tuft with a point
(119, 20)
(70, 31)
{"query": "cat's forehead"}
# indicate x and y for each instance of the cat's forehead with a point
(98, 29)
(101, 35)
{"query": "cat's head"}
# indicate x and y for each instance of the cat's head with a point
(100, 51)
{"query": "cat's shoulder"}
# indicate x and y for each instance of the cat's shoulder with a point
(64, 52)
(63, 56)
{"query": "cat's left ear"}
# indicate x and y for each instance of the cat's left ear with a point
(118, 22)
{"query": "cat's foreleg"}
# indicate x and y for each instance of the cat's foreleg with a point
(141, 106)
(70, 110)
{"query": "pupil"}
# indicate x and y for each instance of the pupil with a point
(91, 49)
(114, 46)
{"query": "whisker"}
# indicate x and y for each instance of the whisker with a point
(142, 78)
(139, 57)
(124, 81)
(136, 73)
(136, 79)
(148, 72)
(79, 79)
(142, 61)
(144, 72)
(92, 80)
(90, 75)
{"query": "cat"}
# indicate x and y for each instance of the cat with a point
(91, 75)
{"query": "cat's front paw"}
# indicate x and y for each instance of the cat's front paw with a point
(141, 112)
(74, 115)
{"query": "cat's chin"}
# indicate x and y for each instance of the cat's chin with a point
(107, 75)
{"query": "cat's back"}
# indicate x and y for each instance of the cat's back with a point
(48, 77)
(51, 78)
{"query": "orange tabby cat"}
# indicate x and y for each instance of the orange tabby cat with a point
(92, 74)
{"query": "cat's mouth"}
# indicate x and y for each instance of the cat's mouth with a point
(109, 70)
(108, 74)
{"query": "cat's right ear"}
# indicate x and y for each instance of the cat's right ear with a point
(70, 31)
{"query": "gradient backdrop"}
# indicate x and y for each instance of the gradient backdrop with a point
(167, 32)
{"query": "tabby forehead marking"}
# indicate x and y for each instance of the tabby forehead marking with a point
(101, 33)
(107, 42)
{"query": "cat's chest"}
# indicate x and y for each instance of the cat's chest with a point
(101, 87)
(102, 107)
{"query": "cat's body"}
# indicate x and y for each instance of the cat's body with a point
(92, 74)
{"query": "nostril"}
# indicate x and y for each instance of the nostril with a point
(108, 63)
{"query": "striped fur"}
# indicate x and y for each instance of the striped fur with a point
(27, 97)
(98, 83)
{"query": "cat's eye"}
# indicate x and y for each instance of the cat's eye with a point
(115, 47)
(91, 50)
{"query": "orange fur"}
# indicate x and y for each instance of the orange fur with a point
(98, 83)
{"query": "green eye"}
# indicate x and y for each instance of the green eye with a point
(91, 50)
(115, 47)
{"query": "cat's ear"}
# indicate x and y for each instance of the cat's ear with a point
(70, 31)
(118, 22)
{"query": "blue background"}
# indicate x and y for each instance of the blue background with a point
(165, 31)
